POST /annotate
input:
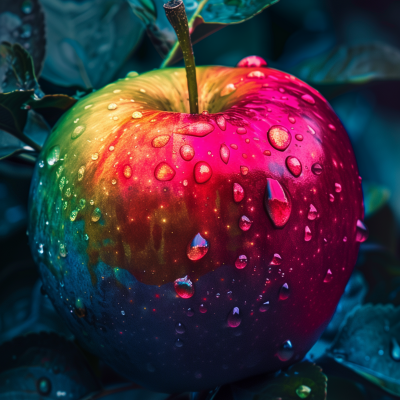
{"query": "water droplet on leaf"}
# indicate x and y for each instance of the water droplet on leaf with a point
(54, 155)
(78, 131)
(81, 172)
(63, 250)
(303, 391)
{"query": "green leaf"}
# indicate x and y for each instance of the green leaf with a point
(355, 64)
(61, 101)
(375, 197)
(369, 344)
(6, 152)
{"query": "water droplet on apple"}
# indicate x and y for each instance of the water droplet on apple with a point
(279, 137)
(234, 319)
(244, 170)
(114, 181)
(63, 250)
(284, 292)
(332, 127)
(73, 215)
(308, 98)
(299, 137)
(276, 260)
(331, 198)
(264, 307)
(95, 156)
(241, 262)
(312, 213)
(316, 169)
(395, 349)
(277, 203)
(96, 214)
(189, 312)
(245, 223)
(292, 120)
(197, 248)
(78, 131)
(303, 391)
(361, 232)
(187, 152)
(178, 343)
(241, 130)
(294, 166)
(54, 155)
(198, 129)
(228, 89)
(252, 62)
(307, 234)
(137, 115)
(267, 153)
(164, 172)
(180, 328)
(234, 146)
(81, 172)
(256, 74)
(224, 152)
(338, 187)
(79, 309)
(238, 193)
(184, 288)
(221, 122)
(112, 106)
(127, 171)
(328, 276)
(202, 308)
(160, 141)
(202, 172)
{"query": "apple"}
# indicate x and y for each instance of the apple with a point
(193, 250)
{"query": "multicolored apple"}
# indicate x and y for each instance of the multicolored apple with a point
(192, 250)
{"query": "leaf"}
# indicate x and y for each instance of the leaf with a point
(375, 197)
(355, 64)
(60, 101)
(23, 22)
(6, 152)
(368, 344)
(45, 364)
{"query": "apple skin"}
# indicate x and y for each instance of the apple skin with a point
(111, 274)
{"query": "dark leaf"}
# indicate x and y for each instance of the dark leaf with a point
(22, 21)
(344, 389)
(18, 69)
(6, 152)
(351, 65)
(60, 101)
(44, 363)
(375, 197)
(369, 344)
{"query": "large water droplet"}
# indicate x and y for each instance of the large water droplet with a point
(238, 193)
(284, 292)
(202, 172)
(228, 89)
(303, 391)
(197, 248)
(245, 223)
(96, 214)
(279, 137)
(312, 213)
(180, 328)
(294, 166)
(198, 129)
(234, 319)
(316, 169)
(395, 349)
(184, 287)
(307, 98)
(264, 307)
(307, 234)
(78, 131)
(80, 309)
(221, 122)
(127, 171)
(277, 203)
(276, 259)
(164, 172)
(54, 155)
(241, 262)
(285, 352)
(244, 170)
(361, 232)
(328, 276)
(187, 152)
(160, 141)
(224, 152)
(338, 187)
(252, 62)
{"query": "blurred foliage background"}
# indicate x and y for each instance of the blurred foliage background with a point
(347, 49)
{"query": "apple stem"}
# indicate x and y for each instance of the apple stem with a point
(176, 14)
